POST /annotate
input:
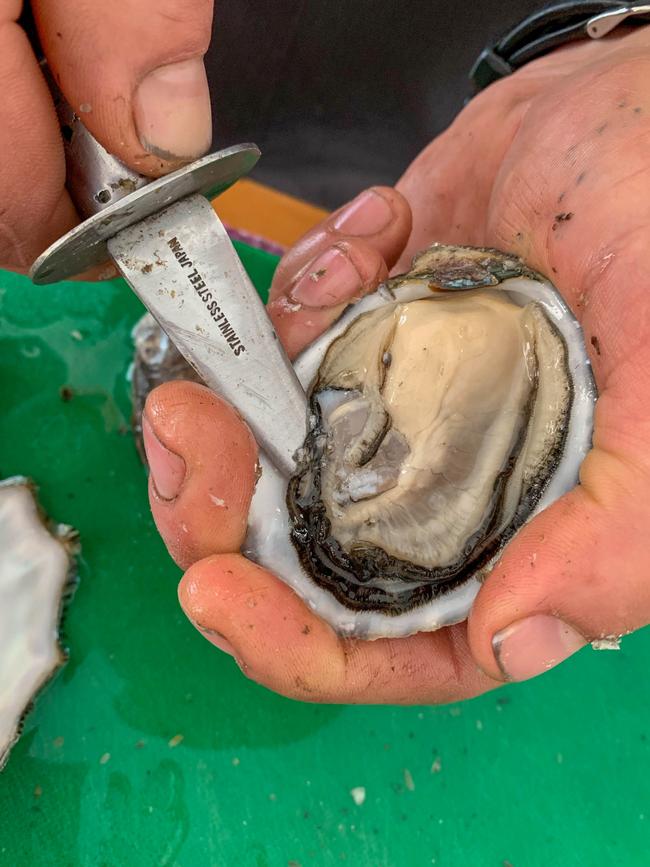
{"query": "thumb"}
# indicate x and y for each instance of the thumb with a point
(134, 72)
(576, 573)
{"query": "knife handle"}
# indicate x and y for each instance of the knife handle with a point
(94, 178)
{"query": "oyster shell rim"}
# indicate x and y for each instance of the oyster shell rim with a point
(486, 268)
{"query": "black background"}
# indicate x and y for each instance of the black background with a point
(342, 94)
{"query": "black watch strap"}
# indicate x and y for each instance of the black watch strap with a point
(548, 29)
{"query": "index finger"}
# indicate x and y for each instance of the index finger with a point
(336, 263)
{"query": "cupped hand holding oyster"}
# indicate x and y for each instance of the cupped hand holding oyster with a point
(550, 166)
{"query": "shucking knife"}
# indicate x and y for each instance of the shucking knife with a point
(175, 254)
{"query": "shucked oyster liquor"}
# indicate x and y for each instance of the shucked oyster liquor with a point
(447, 408)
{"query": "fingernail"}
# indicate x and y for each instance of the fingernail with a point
(330, 280)
(167, 469)
(217, 639)
(171, 109)
(368, 214)
(534, 645)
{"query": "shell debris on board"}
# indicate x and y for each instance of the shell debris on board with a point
(37, 572)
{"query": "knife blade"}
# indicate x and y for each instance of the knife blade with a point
(184, 268)
(175, 253)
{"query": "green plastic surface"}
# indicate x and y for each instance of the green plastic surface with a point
(552, 772)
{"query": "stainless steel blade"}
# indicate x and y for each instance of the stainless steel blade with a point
(182, 265)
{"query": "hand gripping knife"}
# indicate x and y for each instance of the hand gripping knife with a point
(175, 254)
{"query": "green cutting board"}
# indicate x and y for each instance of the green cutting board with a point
(150, 748)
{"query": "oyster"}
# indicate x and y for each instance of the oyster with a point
(447, 408)
(35, 576)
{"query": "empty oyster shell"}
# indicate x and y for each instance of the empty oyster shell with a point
(35, 575)
(448, 408)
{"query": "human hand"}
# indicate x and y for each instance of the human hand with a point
(133, 71)
(549, 164)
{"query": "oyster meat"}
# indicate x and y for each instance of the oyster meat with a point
(36, 561)
(447, 408)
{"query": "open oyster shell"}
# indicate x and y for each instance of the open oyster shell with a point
(36, 562)
(448, 408)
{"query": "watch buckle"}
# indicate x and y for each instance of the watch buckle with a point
(601, 25)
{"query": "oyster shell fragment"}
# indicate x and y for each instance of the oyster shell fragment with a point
(448, 408)
(36, 561)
